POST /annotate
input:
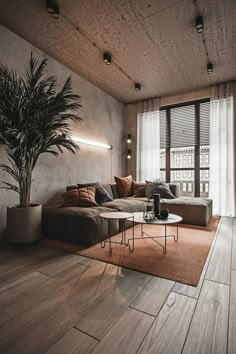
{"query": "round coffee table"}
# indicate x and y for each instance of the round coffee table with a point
(171, 220)
(117, 215)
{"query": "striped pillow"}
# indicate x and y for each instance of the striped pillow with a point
(124, 186)
(82, 197)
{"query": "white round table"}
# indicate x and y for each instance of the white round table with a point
(117, 215)
(172, 219)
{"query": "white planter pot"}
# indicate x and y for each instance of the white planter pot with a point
(24, 224)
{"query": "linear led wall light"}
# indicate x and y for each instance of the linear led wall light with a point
(92, 143)
(107, 58)
(199, 24)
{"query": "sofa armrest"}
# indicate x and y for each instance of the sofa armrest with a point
(175, 189)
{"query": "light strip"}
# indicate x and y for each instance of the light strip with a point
(93, 143)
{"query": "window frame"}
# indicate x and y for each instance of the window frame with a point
(197, 165)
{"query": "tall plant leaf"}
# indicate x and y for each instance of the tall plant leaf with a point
(35, 118)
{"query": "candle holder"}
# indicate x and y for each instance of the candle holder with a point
(149, 212)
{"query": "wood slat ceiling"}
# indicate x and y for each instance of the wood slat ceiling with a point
(154, 41)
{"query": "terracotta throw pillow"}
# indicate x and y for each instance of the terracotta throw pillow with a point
(139, 189)
(158, 187)
(82, 197)
(124, 186)
(101, 195)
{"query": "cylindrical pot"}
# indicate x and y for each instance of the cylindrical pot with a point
(24, 224)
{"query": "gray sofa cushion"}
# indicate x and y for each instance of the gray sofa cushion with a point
(79, 225)
(129, 205)
(194, 210)
(161, 188)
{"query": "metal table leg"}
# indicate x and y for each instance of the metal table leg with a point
(131, 249)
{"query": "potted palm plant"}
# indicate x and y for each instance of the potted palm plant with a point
(34, 119)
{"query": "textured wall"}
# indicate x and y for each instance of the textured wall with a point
(103, 122)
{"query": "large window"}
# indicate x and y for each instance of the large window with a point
(185, 138)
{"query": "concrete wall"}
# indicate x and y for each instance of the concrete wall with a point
(130, 119)
(102, 121)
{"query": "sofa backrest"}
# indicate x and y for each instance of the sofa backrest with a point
(113, 191)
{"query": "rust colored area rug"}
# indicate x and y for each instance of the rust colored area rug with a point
(183, 261)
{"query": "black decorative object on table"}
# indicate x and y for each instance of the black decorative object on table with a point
(156, 204)
(163, 214)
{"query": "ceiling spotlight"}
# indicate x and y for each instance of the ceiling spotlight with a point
(199, 24)
(107, 58)
(129, 139)
(137, 86)
(49, 6)
(56, 11)
(210, 68)
(129, 155)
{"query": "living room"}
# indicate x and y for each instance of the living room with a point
(154, 88)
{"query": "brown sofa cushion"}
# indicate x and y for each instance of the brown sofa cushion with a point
(101, 195)
(82, 197)
(124, 186)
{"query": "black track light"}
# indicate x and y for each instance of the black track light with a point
(137, 86)
(107, 58)
(52, 8)
(56, 11)
(49, 6)
(210, 68)
(199, 24)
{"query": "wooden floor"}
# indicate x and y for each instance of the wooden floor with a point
(54, 302)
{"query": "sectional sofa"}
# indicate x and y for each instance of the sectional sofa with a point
(84, 226)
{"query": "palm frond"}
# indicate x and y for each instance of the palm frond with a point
(35, 118)
(11, 187)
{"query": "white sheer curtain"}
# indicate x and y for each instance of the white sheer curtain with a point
(223, 150)
(148, 141)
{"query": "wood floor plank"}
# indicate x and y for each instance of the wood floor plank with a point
(99, 320)
(74, 342)
(61, 263)
(232, 315)
(209, 327)
(127, 333)
(233, 265)
(22, 261)
(64, 290)
(169, 330)
(219, 268)
(153, 296)
(29, 294)
(194, 291)
(42, 332)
